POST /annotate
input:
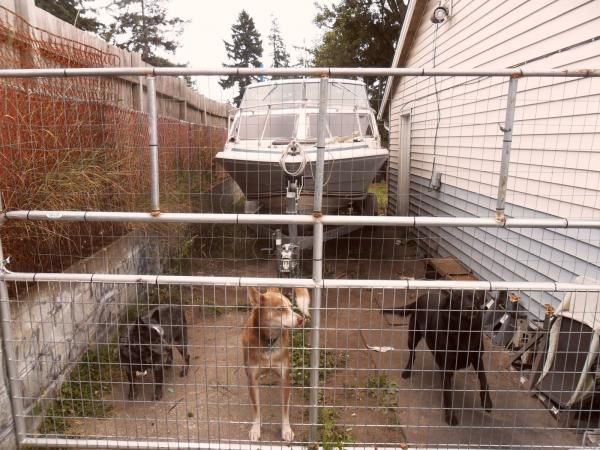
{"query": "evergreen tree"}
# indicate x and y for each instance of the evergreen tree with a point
(360, 33)
(281, 57)
(73, 12)
(244, 50)
(144, 26)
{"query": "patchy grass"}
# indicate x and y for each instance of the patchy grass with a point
(220, 247)
(81, 395)
(381, 194)
(208, 307)
(300, 359)
(207, 300)
(383, 389)
(333, 436)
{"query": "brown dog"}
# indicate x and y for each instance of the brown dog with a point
(266, 342)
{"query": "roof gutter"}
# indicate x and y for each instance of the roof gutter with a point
(408, 18)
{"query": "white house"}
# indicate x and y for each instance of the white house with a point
(450, 126)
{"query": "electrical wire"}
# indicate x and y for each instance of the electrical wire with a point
(437, 102)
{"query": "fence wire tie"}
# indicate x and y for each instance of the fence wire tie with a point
(504, 130)
(3, 263)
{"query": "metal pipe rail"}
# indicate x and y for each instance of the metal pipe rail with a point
(506, 147)
(317, 266)
(151, 445)
(313, 71)
(10, 359)
(317, 220)
(153, 145)
(79, 443)
(299, 219)
(326, 283)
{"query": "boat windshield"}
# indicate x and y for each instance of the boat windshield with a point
(340, 94)
(346, 94)
(272, 94)
(267, 126)
(341, 125)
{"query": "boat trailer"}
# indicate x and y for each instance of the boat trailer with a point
(288, 245)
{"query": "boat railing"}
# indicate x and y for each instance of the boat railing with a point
(299, 104)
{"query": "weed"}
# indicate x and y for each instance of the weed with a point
(81, 395)
(210, 309)
(332, 436)
(300, 359)
(206, 301)
(381, 194)
(216, 245)
(186, 248)
(132, 313)
(181, 253)
(163, 296)
(385, 391)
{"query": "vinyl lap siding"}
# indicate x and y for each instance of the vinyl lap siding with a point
(555, 159)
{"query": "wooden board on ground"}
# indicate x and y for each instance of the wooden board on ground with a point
(451, 269)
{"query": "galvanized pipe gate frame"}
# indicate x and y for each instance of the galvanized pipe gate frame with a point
(317, 283)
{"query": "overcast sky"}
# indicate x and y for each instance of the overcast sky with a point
(210, 23)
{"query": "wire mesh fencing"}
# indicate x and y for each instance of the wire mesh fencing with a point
(295, 278)
(539, 379)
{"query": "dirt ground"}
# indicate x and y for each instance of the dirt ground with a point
(369, 401)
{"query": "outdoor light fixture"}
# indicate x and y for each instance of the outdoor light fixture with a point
(440, 13)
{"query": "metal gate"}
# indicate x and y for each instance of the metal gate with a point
(62, 329)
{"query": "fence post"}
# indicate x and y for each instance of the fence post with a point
(138, 95)
(153, 144)
(26, 10)
(317, 268)
(8, 342)
(511, 102)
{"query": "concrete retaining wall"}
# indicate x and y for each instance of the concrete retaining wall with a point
(54, 324)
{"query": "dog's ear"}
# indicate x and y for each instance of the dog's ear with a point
(254, 296)
(303, 300)
(155, 315)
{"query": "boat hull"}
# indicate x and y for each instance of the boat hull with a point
(345, 180)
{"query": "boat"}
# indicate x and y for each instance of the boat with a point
(272, 146)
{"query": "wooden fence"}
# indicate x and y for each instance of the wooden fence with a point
(23, 21)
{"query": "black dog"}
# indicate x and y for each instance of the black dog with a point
(450, 322)
(147, 346)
